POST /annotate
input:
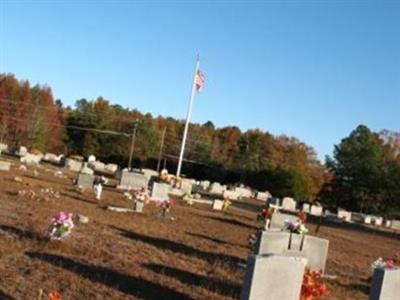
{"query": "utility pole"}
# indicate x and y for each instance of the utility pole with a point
(161, 149)
(135, 124)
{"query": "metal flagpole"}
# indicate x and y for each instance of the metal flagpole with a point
(189, 113)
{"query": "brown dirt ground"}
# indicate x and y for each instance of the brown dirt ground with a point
(144, 256)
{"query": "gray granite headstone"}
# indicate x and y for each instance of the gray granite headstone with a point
(85, 181)
(5, 166)
(133, 180)
(385, 284)
(160, 191)
(279, 242)
(273, 277)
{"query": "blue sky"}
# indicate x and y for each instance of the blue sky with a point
(310, 69)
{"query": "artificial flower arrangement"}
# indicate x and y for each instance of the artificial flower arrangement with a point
(60, 227)
(383, 263)
(141, 195)
(188, 198)
(313, 286)
(54, 295)
(252, 240)
(296, 226)
(225, 204)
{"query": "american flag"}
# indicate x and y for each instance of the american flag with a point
(199, 81)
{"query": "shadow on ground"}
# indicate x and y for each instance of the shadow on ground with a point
(164, 244)
(188, 278)
(4, 296)
(137, 287)
(215, 240)
(21, 233)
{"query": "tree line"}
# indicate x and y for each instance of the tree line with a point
(283, 165)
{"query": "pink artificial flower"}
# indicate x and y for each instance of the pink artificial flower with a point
(389, 263)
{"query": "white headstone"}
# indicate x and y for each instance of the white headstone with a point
(91, 159)
(217, 204)
(73, 165)
(306, 207)
(344, 214)
(289, 204)
(216, 188)
(243, 192)
(111, 168)
(385, 284)
(231, 195)
(273, 277)
(263, 196)
(316, 210)
(5, 165)
(367, 220)
(396, 224)
(22, 151)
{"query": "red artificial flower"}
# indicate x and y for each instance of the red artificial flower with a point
(54, 295)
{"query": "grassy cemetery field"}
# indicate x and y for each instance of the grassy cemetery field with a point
(198, 254)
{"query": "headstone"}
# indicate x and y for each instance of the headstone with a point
(22, 151)
(377, 220)
(85, 181)
(160, 191)
(344, 214)
(5, 165)
(3, 147)
(388, 223)
(263, 196)
(205, 184)
(231, 195)
(217, 204)
(139, 206)
(274, 202)
(132, 180)
(306, 207)
(111, 168)
(150, 173)
(367, 220)
(278, 220)
(73, 165)
(284, 243)
(316, 210)
(51, 157)
(243, 192)
(86, 170)
(396, 224)
(98, 166)
(385, 284)
(91, 159)
(289, 204)
(186, 186)
(216, 188)
(31, 159)
(273, 277)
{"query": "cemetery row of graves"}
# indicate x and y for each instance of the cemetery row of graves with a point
(140, 234)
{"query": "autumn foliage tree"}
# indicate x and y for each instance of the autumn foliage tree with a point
(28, 115)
